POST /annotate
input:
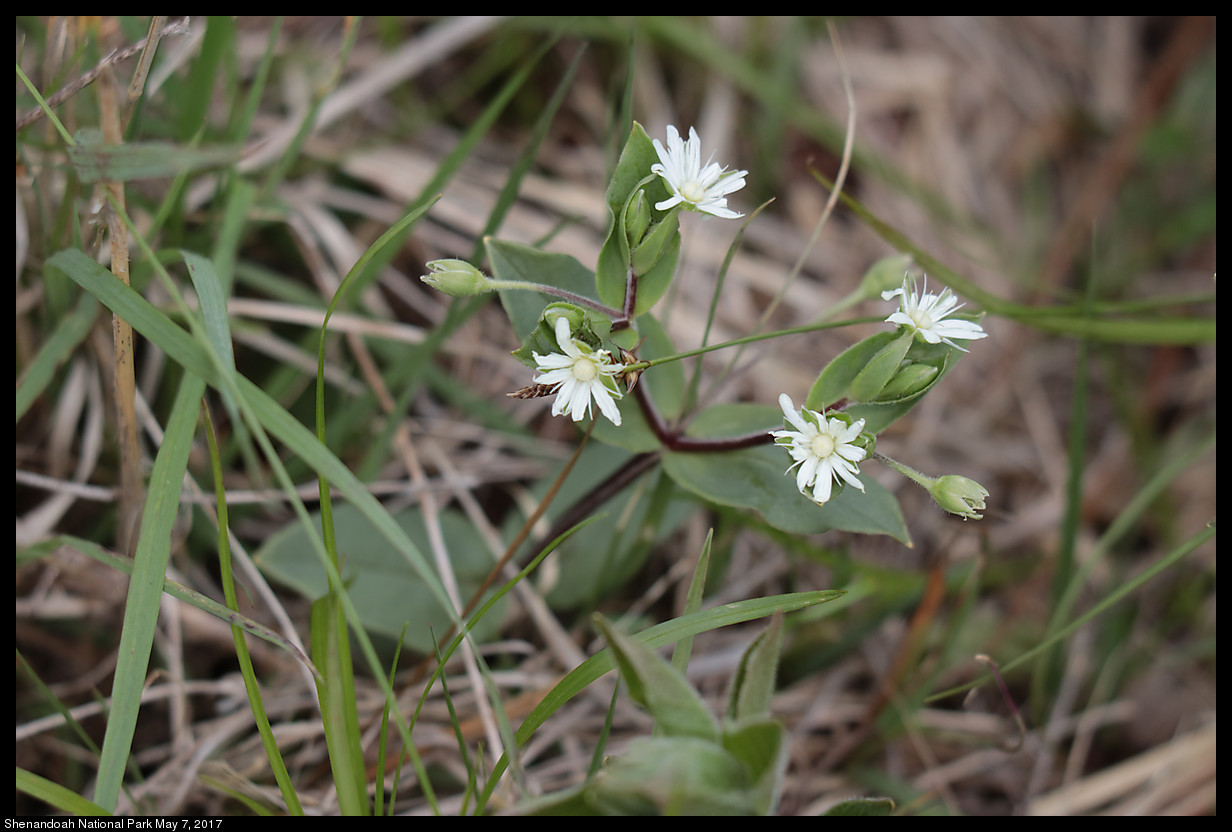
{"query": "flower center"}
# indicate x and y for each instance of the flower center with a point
(584, 369)
(922, 319)
(822, 446)
(693, 192)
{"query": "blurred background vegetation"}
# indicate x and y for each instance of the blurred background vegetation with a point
(1064, 166)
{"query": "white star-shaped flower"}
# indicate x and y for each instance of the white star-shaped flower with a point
(823, 448)
(699, 188)
(928, 314)
(579, 375)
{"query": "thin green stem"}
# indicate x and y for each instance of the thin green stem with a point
(922, 480)
(564, 294)
(748, 339)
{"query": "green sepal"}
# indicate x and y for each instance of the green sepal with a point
(586, 326)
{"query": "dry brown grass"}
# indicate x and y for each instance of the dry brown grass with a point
(1027, 130)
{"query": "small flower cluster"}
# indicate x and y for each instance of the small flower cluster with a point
(826, 448)
(580, 374)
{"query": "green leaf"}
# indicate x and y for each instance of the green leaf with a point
(881, 367)
(57, 796)
(755, 679)
(835, 381)
(386, 590)
(96, 162)
(145, 589)
(658, 687)
(69, 331)
(515, 261)
(761, 744)
(668, 632)
(673, 776)
(855, 373)
(608, 552)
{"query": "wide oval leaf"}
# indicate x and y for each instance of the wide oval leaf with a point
(386, 590)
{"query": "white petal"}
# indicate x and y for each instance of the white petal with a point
(850, 452)
(607, 404)
(555, 377)
(966, 330)
(563, 396)
(808, 472)
(553, 361)
(791, 414)
(579, 403)
(564, 338)
(848, 472)
(821, 491)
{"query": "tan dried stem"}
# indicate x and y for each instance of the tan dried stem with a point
(124, 377)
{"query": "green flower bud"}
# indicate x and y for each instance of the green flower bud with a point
(910, 380)
(657, 240)
(637, 219)
(457, 278)
(959, 495)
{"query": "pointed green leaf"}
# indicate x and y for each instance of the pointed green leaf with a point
(835, 381)
(386, 590)
(658, 687)
(95, 162)
(514, 261)
(881, 367)
(756, 677)
(761, 744)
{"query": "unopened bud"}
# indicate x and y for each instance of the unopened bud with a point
(637, 219)
(959, 495)
(457, 278)
(656, 241)
(911, 380)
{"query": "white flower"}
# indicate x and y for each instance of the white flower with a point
(927, 314)
(699, 188)
(823, 448)
(580, 374)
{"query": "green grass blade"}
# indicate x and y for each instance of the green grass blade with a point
(331, 650)
(247, 671)
(57, 796)
(693, 603)
(175, 590)
(69, 332)
(145, 589)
